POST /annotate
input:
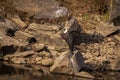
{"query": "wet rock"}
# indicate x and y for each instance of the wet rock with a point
(24, 37)
(37, 73)
(84, 74)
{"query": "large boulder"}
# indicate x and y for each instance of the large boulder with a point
(115, 13)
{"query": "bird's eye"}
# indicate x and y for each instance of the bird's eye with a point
(65, 30)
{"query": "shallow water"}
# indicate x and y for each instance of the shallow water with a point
(16, 73)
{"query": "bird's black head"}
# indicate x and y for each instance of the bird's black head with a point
(64, 34)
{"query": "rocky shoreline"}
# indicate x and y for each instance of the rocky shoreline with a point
(33, 38)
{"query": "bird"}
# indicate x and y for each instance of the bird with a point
(68, 33)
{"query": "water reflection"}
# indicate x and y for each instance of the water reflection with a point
(12, 73)
(8, 72)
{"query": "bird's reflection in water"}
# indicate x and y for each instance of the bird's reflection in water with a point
(15, 73)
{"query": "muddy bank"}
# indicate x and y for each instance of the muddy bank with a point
(32, 37)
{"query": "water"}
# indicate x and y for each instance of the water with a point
(8, 72)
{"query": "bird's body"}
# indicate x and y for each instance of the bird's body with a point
(70, 30)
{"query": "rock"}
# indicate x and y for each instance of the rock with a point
(46, 27)
(53, 15)
(18, 21)
(8, 27)
(9, 44)
(45, 54)
(28, 6)
(38, 60)
(48, 38)
(18, 60)
(47, 62)
(115, 13)
(24, 37)
(55, 54)
(84, 74)
(21, 54)
(38, 47)
(117, 37)
(105, 29)
(61, 62)
(77, 61)
(114, 65)
(64, 64)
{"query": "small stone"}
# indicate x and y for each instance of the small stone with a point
(44, 54)
(38, 59)
(112, 43)
(47, 62)
(117, 37)
(38, 47)
(109, 39)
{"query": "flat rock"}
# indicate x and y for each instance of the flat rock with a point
(8, 24)
(8, 41)
(24, 37)
(53, 15)
(30, 6)
(46, 27)
(21, 54)
(106, 29)
(84, 74)
(48, 38)
(18, 21)
(117, 37)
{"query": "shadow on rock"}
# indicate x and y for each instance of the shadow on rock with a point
(88, 38)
